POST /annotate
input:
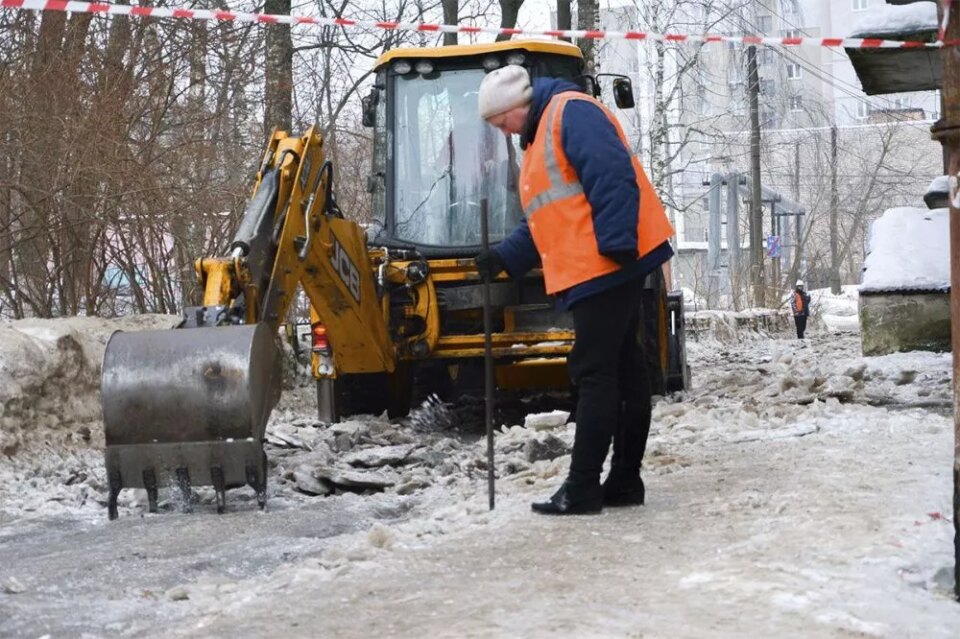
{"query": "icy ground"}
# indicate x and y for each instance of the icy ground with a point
(798, 490)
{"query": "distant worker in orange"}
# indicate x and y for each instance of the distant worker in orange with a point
(800, 303)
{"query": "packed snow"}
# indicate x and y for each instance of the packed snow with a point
(889, 19)
(908, 248)
(798, 489)
(838, 313)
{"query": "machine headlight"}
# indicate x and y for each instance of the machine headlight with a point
(491, 62)
(424, 67)
(516, 58)
(402, 67)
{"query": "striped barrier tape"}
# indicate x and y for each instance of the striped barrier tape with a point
(235, 16)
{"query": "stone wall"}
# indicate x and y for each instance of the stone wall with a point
(897, 322)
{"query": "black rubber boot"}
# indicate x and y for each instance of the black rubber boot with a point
(573, 498)
(623, 488)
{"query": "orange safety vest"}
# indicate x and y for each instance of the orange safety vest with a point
(797, 302)
(558, 213)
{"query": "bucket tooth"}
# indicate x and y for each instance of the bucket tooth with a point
(216, 478)
(150, 483)
(183, 480)
(116, 485)
(257, 480)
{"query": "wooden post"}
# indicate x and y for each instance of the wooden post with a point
(756, 206)
(947, 132)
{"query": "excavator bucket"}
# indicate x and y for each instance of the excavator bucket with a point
(188, 407)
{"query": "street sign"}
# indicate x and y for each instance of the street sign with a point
(773, 246)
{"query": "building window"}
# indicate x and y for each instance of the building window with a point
(765, 24)
(768, 117)
(734, 75)
(796, 103)
(863, 110)
(794, 72)
(764, 56)
(860, 5)
(767, 87)
(791, 33)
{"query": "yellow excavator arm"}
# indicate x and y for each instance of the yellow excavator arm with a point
(190, 405)
(312, 245)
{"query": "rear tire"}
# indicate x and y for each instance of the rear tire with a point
(365, 393)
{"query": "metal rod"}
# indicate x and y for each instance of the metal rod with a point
(487, 356)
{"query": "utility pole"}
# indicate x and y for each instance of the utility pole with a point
(715, 230)
(834, 205)
(733, 237)
(795, 269)
(775, 260)
(756, 206)
(947, 132)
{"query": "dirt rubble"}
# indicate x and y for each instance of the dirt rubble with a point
(798, 489)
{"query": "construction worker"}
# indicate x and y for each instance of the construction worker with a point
(595, 224)
(800, 303)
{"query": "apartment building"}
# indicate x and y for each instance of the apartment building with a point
(692, 115)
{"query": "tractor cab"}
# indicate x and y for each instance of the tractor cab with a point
(435, 159)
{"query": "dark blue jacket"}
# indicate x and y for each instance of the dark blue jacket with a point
(605, 169)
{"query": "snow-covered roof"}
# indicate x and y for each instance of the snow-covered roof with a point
(893, 19)
(908, 250)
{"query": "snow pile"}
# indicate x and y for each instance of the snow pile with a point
(891, 20)
(691, 301)
(839, 313)
(711, 330)
(908, 249)
(50, 378)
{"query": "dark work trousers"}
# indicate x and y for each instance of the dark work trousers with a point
(801, 322)
(608, 367)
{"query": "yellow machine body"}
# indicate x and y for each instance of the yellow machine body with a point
(190, 405)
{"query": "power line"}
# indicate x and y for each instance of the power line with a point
(782, 50)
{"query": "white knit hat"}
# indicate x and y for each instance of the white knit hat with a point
(503, 89)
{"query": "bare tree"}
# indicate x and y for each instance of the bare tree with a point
(278, 68)
(588, 18)
(451, 15)
(564, 19)
(509, 10)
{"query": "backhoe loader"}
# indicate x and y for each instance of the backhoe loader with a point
(395, 303)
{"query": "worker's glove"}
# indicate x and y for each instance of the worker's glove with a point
(490, 264)
(623, 258)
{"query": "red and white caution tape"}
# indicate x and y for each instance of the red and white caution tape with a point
(235, 16)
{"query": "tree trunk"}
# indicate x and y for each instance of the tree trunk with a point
(278, 93)
(834, 205)
(563, 17)
(588, 15)
(509, 9)
(450, 16)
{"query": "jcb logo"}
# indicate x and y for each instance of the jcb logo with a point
(346, 269)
